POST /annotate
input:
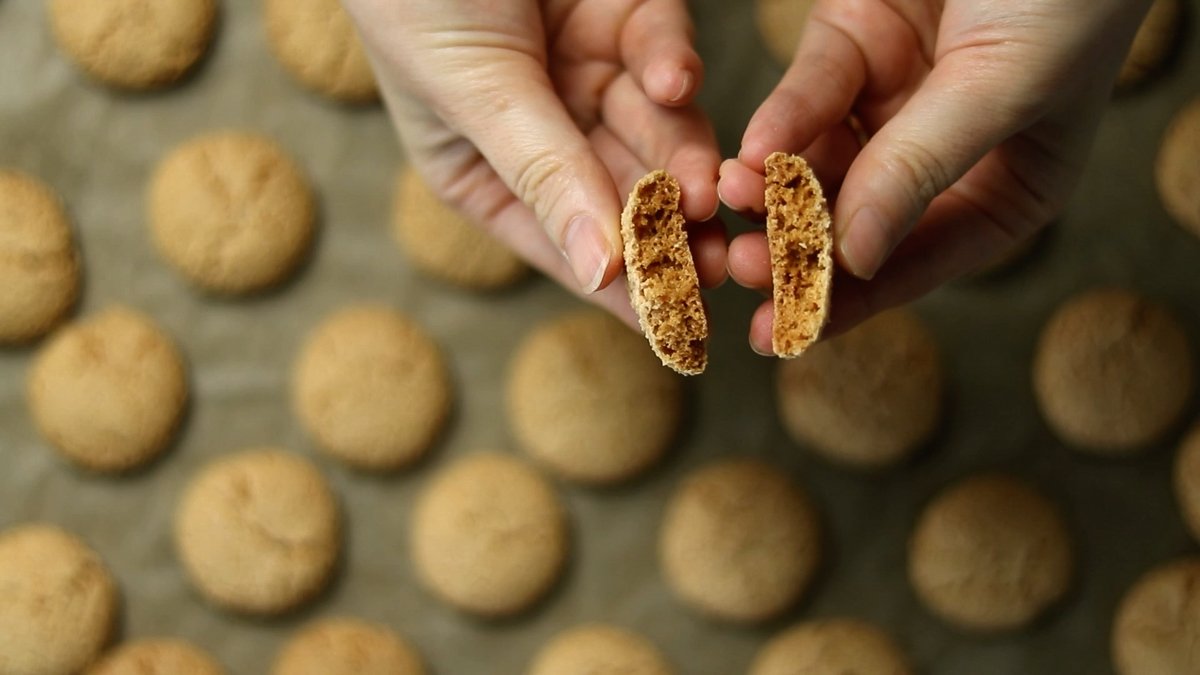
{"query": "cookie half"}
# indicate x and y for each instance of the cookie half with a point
(663, 286)
(800, 237)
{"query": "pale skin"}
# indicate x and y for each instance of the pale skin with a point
(535, 117)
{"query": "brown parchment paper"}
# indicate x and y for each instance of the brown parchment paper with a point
(97, 147)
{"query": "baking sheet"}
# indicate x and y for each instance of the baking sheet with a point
(97, 147)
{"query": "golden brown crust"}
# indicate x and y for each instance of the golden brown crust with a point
(800, 237)
(663, 286)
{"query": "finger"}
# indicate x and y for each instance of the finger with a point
(706, 239)
(506, 106)
(948, 125)
(750, 261)
(761, 325)
(681, 140)
(742, 189)
(656, 47)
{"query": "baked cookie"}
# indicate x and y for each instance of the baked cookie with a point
(134, 44)
(162, 656)
(317, 43)
(59, 602)
(599, 649)
(867, 398)
(800, 238)
(442, 243)
(739, 541)
(780, 24)
(231, 211)
(831, 647)
(258, 532)
(1113, 372)
(108, 391)
(346, 646)
(39, 266)
(663, 287)
(371, 387)
(990, 554)
(1153, 43)
(1176, 171)
(1157, 624)
(489, 535)
(587, 400)
(1187, 480)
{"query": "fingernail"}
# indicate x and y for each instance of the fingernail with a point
(587, 252)
(864, 243)
(760, 352)
(685, 87)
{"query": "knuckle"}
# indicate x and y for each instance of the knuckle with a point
(538, 181)
(922, 174)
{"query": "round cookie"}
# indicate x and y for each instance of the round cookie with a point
(109, 391)
(258, 532)
(990, 554)
(598, 649)
(317, 44)
(780, 24)
(442, 243)
(588, 401)
(39, 266)
(1153, 43)
(1157, 625)
(1187, 481)
(372, 387)
(231, 211)
(59, 602)
(1176, 171)
(831, 647)
(867, 398)
(739, 541)
(162, 656)
(1113, 372)
(134, 44)
(489, 535)
(346, 646)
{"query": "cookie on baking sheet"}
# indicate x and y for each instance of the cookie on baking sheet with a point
(134, 44)
(1113, 372)
(316, 42)
(739, 541)
(990, 554)
(39, 265)
(489, 535)
(258, 531)
(1176, 170)
(1157, 624)
(108, 391)
(780, 24)
(800, 238)
(867, 398)
(1154, 42)
(59, 601)
(1187, 480)
(599, 649)
(587, 400)
(231, 211)
(663, 287)
(832, 647)
(371, 387)
(347, 646)
(158, 656)
(442, 243)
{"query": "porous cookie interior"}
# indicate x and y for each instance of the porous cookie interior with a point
(663, 285)
(798, 233)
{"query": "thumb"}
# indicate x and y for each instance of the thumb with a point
(961, 112)
(507, 107)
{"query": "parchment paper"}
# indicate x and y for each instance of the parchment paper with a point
(97, 147)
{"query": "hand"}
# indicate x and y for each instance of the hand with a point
(980, 114)
(535, 117)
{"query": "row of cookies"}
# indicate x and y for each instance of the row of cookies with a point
(141, 46)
